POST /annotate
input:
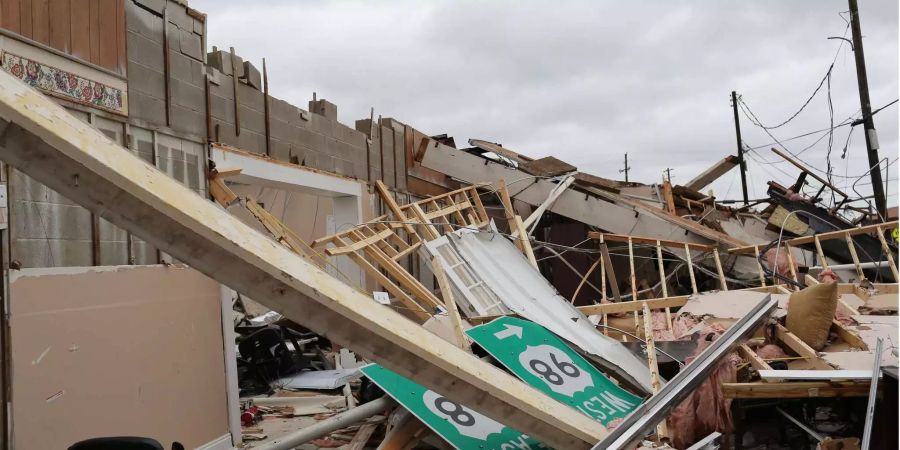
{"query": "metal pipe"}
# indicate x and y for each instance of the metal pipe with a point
(862, 265)
(873, 394)
(643, 419)
(329, 425)
(801, 425)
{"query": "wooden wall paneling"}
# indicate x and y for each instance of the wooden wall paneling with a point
(25, 17)
(94, 28)
(109, 54)
(80, 26)
(40, 21)
(121, 38)
(60, 23)
(10, 17)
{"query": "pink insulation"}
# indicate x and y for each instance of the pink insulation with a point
(783, 265)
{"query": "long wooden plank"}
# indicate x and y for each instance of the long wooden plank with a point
(887, 251)
(755, 361)
(635, 305)
(360, 244)
(839, 234)
(450, 303)
(69, 156)
(388, 200)
(796, 389)
(810, 173)
(612, 237)
(798, 346)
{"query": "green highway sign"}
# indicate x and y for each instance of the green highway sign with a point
(544, 361)
(462, 427)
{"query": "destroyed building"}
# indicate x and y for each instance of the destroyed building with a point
(190, 260)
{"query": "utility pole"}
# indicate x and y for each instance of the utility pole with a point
(626, 169)
(669, 174)
(866, 105)
(740, 146)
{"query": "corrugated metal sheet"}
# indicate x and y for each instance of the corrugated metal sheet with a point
(526, 292)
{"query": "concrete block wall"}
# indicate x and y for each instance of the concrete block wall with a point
(147, 76)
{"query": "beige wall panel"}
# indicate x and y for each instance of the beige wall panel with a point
(107, 351)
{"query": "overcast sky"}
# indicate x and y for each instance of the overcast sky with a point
(587, 81)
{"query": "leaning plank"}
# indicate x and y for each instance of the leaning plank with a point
(44, 141)
(800, 347)
(755, 361)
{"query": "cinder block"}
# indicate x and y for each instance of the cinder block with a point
(145, 51)
(144, 23)
(324, 108)
(282, 130)
(197, 73)
(364, 126)
(146, 108)
(179, 17)
(222, 60)
(343, 167)
(224, 89)
(360, 172)
(147, 81)
(251, 98)
(188, 121)
(191, 44)
(280, 150)
(224, 132)
(322, 125)
(198, 26)
(250, 142)
(221, 108)
(252, 76)
(310, 139)
(252, 120)
(180, 67)
(188, 95)
(156, 6)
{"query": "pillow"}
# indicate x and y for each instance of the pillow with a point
(810, 313)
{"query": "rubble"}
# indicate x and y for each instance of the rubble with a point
(478, 297)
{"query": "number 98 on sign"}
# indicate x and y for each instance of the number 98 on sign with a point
(556, 369)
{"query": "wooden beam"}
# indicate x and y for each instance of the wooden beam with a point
(887, 251)
(610, 271)
(634, 292)
(664, 282)
(848, 336)
(362, 436)
(667, 194)
(634, 305)
(405, 434)
(228, 172)
(792, 265)
(655, 383)
(450, 304)
(755, 361)
(798, 346)
(795, 389)
(722, 281)
(360, 244)
(525, 241)
(388, 200)
(690, 264)
(762, 273)
(611, 237)
(69, 156)
(431, 231)
(822, 260)
(851, 246)
(810, 173)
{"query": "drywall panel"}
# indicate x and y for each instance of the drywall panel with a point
(126, 350)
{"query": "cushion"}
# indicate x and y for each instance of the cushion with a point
(810, 313)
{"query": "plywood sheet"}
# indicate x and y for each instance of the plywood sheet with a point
(117, 351)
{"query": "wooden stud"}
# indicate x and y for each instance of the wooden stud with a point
(887, 251)
(822, 260)
(408, 302)
(852, 247)
(526, 242)
(450, 303)
(362, 436)
(634, 294)
(755, 361)
(663, 282)
(603, 293)
(722, 282)
(584, 279)
(792, 265)
(798, 346)
(848, 336)
(690, 264)
(405, 435)
(610, 271)
(655, 383)
(762, 273)
(430, 230)
(395, 209)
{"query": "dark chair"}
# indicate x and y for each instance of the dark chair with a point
(117, 443)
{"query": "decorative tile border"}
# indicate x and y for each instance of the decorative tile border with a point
(64, 84)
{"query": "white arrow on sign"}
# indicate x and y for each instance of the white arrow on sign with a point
(511, 330)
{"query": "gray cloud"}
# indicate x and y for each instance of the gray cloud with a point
(584, 81)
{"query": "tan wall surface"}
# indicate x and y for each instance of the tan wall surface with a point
(126, 350)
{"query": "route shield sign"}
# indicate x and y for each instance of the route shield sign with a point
(544, 361)
(460, 426)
